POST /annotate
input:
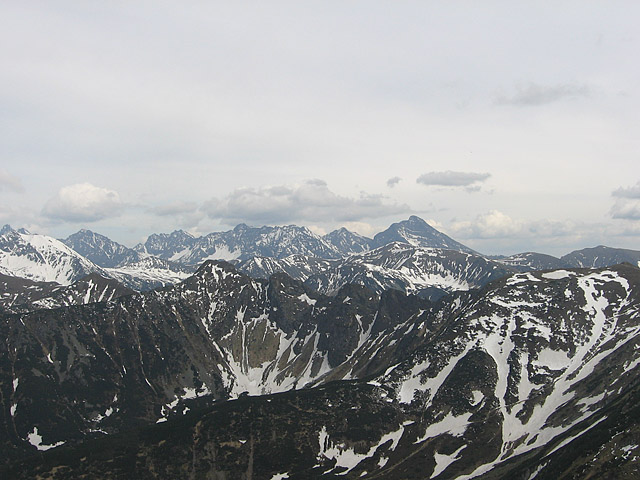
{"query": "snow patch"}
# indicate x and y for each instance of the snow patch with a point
(557, 274)
(36, 440)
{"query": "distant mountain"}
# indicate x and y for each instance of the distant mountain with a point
(244, 242)
(149, 272)
(101, 250)
(44, 259)
(347, 242)
(533, 261)
(41, 258)
(172, 246)
(241, 243)
(418, 233)
(428, 272)
(533, 376)
(601, 256)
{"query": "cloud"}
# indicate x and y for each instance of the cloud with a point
(625, 209)
(493, 224)
(627, 204)
(176, 208)
(83, 202)
(9, 182)
(310, 202)
(630, 192)
(453, 179)
(535, 95)
(392, 182)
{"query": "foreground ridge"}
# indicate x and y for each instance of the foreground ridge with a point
(499, 383)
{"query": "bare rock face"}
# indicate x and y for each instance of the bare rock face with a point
(532, 376)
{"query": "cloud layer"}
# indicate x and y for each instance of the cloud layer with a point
(535, 95)
(83, 202)
(10, 183)
(452, 179)
(309, 202)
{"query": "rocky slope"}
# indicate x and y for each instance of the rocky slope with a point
(534, 376)
(107, 366)
(19, 295)
(428, 272)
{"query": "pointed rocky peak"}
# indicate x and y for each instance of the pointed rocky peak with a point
(6, 229)
(100, 249)
(241, 227)
(415, 231)
(348, 242)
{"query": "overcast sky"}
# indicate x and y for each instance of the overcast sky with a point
(510, 126)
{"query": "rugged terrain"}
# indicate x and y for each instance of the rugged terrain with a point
(503, 382)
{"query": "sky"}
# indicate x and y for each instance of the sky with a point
(510, 126)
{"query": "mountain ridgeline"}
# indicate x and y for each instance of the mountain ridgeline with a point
(272, 353)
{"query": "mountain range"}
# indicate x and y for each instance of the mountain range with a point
(403, 356)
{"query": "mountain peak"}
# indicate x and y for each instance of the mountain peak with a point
(6, 229)
(415, 231)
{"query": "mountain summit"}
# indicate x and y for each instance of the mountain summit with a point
(415, 231)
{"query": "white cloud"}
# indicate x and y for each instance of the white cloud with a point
(493, 224)
(9, 182)
(311, 201)
(83, 202)
(453, 179)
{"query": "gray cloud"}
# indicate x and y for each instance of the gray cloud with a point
(452, 179)
(535, 95)
(630, 192)
(627, 204)
(392, 182)
(9, 182)
(311, 201)
(626, 210)
(83, 202)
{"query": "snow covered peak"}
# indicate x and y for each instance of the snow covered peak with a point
(41, 258)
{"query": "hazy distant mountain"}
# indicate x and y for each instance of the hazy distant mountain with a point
(532, 261)
(101, 250)
(347, 242)
(41, 258)
(244, 242)
(44, 259)
(241, 243)
(428, 272)
(601, 256)
(418, 233)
